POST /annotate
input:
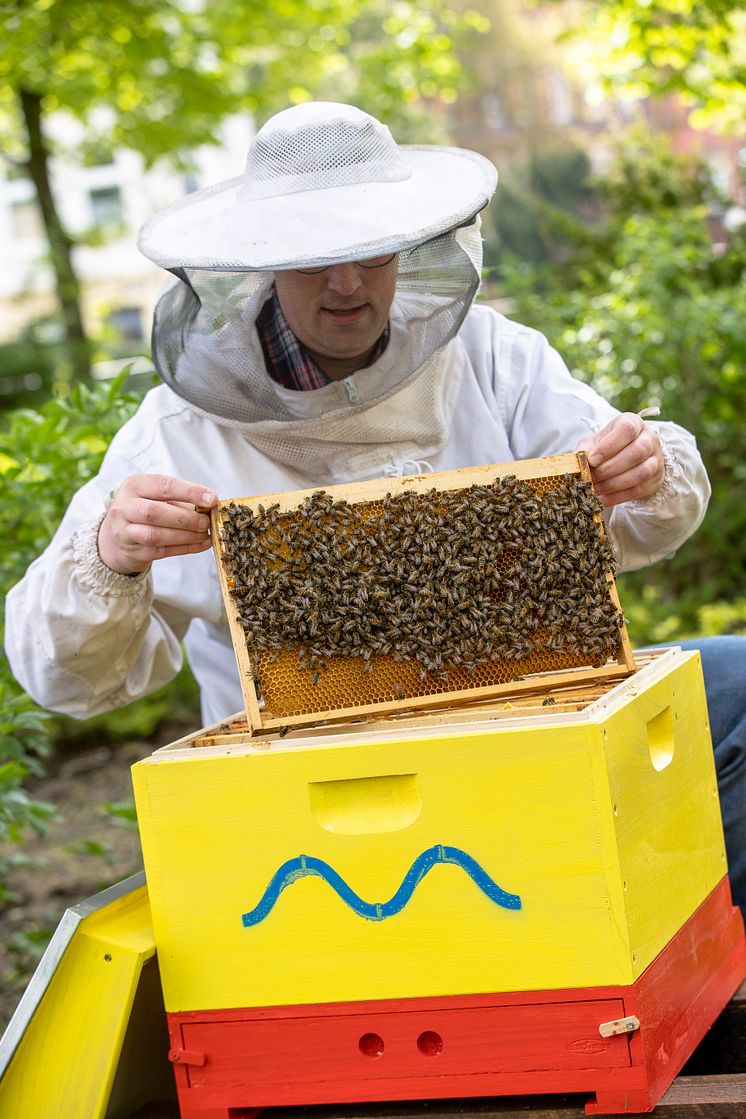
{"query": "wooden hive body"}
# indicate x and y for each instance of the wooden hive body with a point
(603, 821)
(297, 691)
(490, 886)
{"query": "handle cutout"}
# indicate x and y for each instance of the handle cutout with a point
(366, 805)
(660, 739)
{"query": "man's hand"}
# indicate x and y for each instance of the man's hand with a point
(152, 516)
(626, 460)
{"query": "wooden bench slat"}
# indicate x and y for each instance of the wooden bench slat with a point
(705, 1092)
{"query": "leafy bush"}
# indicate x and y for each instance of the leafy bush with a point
(24, 743)
(45, 455)
(534, 204)
(651, 312)
(27, 366)
(48, 453)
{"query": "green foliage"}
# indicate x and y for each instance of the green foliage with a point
(653, 618)
(23, 745)
(724, 617)
(45, 455)
(158, 77)
(28, 946)
(536, 209)
(23, 738)
(27, 366)
(513, 225)
(648, 177)
(651, 312)
(93, 849)
(560, 176)
(122, 813)
(24, 949)
(694, 48)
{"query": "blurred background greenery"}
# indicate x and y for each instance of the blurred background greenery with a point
(618, 230)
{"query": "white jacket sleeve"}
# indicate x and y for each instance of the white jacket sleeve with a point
(644, 532)
(81, 638)
(547, 411)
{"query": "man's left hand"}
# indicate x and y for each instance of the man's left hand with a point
(626, 460)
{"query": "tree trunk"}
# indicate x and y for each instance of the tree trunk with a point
(60, 246)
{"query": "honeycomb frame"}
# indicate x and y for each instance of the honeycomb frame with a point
(542, 707)
(349, 687)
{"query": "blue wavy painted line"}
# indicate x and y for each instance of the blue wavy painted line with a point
(306, 865)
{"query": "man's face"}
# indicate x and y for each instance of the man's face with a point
(339, 314)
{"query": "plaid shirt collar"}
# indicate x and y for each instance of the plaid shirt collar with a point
(287, 361)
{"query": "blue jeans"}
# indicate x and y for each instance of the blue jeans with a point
(724, 669)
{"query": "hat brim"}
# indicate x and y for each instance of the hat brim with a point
(219, 229)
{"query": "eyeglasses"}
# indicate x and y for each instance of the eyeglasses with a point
(373, 262)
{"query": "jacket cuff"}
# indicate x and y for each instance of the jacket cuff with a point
(673, 478)
(92, 571)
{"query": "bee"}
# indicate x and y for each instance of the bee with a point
(459, 576)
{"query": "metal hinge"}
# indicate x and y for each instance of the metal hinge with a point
(619, 1026)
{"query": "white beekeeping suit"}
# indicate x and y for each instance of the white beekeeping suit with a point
(452, 384)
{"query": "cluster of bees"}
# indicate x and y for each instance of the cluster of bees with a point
(448, 579)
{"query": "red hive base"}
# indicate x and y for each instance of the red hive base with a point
(230, 1063)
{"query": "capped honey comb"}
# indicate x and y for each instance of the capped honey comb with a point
(416, 591)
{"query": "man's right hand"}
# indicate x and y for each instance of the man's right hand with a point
(152, 516)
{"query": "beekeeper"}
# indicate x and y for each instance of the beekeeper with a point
(320, 328)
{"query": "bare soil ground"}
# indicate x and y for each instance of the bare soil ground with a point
(67, 870)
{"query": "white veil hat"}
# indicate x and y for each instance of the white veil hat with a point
(323, 183)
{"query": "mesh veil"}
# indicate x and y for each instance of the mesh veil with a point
(207, 349)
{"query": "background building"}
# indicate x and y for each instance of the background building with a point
(103, 201)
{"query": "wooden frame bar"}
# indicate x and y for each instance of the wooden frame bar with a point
(262, 719)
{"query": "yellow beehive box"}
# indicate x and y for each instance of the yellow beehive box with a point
(523, 845)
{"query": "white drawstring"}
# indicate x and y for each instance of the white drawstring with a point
(596, 425)
(407, 466)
